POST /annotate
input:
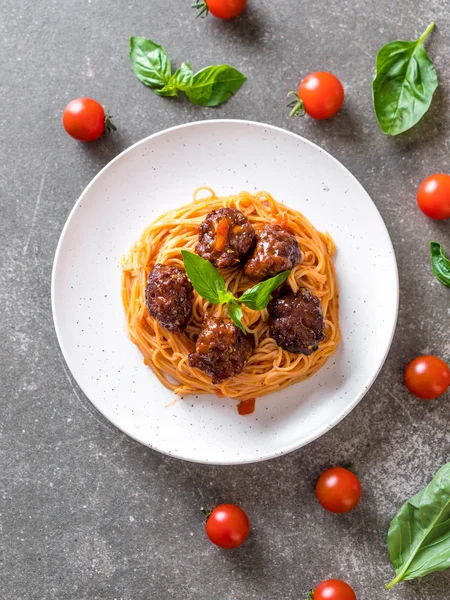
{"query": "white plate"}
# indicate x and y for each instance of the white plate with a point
(160, 173)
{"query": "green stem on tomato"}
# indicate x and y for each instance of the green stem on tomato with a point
(109, 125)
(206, 512)
(297, 104)
(348, 466)
(202, 8)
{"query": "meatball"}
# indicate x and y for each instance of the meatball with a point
(221, 350)
(225, 237)
(169, 295)
(276, 251)
(296, 321)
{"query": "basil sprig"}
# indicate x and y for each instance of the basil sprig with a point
(418, 538)
(404, 84)
(209, 87)
(210, 285)
(440, 264)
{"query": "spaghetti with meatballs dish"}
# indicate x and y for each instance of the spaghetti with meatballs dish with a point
(253, 310)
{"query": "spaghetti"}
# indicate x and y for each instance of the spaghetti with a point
(270, 368)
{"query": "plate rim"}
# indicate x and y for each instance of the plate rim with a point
(321, 430)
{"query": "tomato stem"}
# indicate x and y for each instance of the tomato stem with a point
(298, 107)
(202, 8)
(348, 466)
(109, 125)
(310, 595)
(206, 512)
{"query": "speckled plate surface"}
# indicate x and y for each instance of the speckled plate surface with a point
(161, 172)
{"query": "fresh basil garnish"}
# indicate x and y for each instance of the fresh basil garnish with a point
(258, 296)
(210, 285)
(235, 314)
(209, 87)
(418, 538)
(179, 80)
(213, 85)
(404, 84)
(183, 75)
(150, 62)
(205, 278)
(440, 263)
(225, 297)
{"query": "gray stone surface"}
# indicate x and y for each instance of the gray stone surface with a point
(87, 514)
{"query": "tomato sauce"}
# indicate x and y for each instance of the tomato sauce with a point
(246, 407)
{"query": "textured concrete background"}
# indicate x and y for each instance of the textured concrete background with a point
(87, 514)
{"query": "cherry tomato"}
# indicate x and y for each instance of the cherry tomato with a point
(85, 120)
(334, 589)
(427, 377)
(227, 526)
(222, 9)
(320, 95)
(433, 196)
(338, 490)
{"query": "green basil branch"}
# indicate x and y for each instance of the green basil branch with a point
(440, 264)
(404, 84)
(209, 87)
(210, 285)
(419, 535)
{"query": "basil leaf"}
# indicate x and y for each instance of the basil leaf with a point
(179, 80)
(209, 87)
(225, 297)
(419, 535)
(150, 62)
(404, 84)
(182, 77)
(213, 85)
(235, 314)
(258, 296)
(205, 278)
(440, 263)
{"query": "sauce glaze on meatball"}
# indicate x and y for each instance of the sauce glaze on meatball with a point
(169, 296)
(225, 237)
(276, 251)
(222, 349)
(296, 321)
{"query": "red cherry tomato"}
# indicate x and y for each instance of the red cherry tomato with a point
(427, 377)
(320, 94)
(227, 526)
(85, 120)
(222, 9)
(433, 196)
(338, 490)
(334, 589)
